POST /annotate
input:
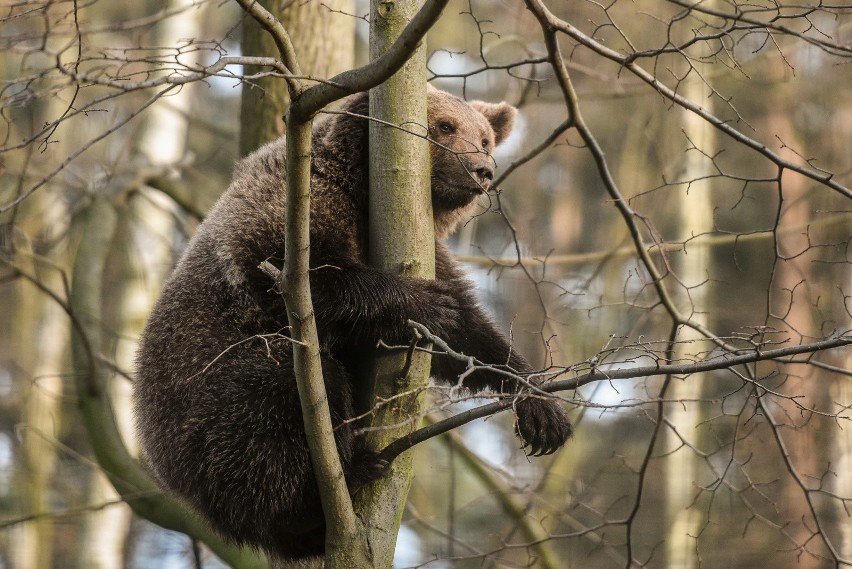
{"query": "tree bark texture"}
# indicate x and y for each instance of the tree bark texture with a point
(401, 241)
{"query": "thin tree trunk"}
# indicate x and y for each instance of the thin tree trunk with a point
(42, 323)
(793, 290)
(86, 300)
(695, 214)
(321, 44)
(401, 241)
(163, 142)
(43, 414)
(841, 451)
(346, 539)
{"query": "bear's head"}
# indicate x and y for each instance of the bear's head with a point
(462, 135)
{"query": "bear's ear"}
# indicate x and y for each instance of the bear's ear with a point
(500, 115)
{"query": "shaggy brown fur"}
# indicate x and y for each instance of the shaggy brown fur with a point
(216, 403)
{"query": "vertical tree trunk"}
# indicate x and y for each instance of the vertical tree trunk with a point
(401, 241)
(324, 42)
(40, 323)
(43, 413)
(841, 451)
(695, 215)
(98, 229)
(793, 293)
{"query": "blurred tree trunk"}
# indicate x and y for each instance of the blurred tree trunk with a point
(794, 291)
(695, 216)
(42, 322)
(41, 326)
(402, 241)
(96, 234)
(324, 42)
(841, 451)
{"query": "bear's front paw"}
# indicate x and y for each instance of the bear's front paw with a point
(542, 425)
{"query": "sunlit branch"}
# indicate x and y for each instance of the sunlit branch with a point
(711, 240)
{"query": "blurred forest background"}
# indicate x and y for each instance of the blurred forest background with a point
(681, 193)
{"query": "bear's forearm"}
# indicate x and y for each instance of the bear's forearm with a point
(478, 337)
(375, 305)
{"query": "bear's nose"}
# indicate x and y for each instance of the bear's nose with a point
(484, 172)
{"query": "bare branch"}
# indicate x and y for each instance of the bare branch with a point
(725, 360)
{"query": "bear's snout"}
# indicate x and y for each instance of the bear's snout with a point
(484, 172)
(481, 169)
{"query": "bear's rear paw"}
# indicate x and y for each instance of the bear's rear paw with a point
(542, 425)
(366, 466)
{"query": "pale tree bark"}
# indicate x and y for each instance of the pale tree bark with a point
(43, 415)
(695, 216)
(86, 296)
(44, 325)
(402, 241)
(323, 37)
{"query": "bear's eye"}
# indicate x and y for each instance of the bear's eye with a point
(446, 127)
(485, 144)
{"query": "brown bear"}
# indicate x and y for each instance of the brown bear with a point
(216, 403)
